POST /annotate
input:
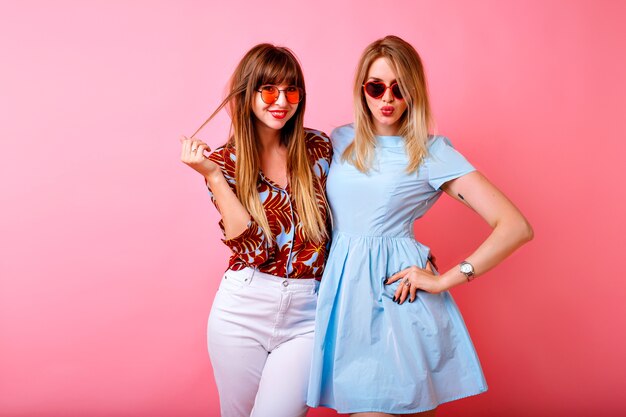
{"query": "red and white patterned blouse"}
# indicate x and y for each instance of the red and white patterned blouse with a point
(289, 254)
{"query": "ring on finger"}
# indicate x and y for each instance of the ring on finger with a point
(406, 282)
(194, 149)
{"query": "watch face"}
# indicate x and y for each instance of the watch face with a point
(466, 268)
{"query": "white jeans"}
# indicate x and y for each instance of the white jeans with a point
(260, 338)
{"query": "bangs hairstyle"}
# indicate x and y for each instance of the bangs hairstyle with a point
(416, 121)
(269, 64)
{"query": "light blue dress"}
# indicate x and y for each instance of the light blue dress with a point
(371, 354)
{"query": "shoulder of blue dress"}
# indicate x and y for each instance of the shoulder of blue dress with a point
(342, 131)
(437, 141)
(342, 136)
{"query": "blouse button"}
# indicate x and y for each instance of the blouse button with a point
(285, 283)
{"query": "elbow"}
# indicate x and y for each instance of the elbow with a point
(517, 230)
(526, 232)
(531, 233)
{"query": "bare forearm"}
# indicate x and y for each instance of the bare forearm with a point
(502, 242)
(234, 215)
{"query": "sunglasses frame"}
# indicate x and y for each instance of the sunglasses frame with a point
(395, 83)
(284, 91)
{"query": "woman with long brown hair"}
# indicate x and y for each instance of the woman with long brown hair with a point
(268, 184)
(389, 338)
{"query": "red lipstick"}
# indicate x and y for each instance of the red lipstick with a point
(278, 114)
(387, 110)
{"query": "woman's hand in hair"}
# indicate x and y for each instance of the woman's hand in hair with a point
(192, 154)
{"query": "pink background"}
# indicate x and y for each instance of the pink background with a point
(110, 254)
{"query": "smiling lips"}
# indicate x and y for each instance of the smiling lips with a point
(387, 111)
(278, 114)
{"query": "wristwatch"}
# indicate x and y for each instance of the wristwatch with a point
(467, 269)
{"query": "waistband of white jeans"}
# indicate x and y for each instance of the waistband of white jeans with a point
(250, 275)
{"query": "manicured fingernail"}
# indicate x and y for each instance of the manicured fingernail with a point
(394, 298)
(386, 281)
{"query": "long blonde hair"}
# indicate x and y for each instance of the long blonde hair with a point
(416, 121)
(269, 64)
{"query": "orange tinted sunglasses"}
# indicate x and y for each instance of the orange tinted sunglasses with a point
(270, 94)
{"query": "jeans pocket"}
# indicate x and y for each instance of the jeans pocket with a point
(232, 284)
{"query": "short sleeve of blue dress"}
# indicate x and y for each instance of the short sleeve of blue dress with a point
(444, 163)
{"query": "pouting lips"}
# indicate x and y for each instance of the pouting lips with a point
(387, 110)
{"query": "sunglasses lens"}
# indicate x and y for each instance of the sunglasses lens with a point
(269, 94)
(375, 89)
(395, 90)
(294, 94)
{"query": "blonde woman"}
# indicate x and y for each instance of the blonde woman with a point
(389, 338)
(268, 184)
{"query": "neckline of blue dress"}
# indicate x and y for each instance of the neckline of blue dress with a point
(390, 141)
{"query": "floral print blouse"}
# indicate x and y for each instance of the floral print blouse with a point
(289, 254)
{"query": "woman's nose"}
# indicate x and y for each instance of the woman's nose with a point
(388, 96)
(282, 98)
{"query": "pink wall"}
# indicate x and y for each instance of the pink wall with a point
(110, 254)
